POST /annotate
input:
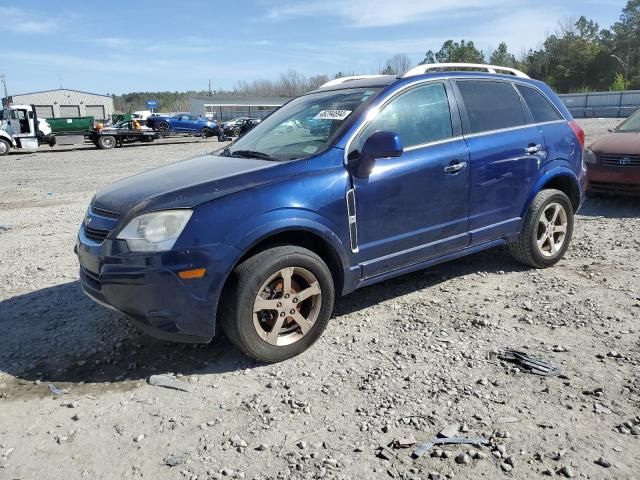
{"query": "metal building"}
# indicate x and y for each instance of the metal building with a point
(66, 103)
(228, 107)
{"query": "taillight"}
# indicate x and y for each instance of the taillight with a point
(577, 129)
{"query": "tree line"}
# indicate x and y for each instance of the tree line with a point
(578, 57)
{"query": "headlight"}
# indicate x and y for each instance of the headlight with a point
(588, 156)
(155, 232)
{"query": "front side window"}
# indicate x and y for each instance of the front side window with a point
(419, 116)
(303, 127)
(491, 105)
(539, 106)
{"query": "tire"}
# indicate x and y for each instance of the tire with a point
(543, 241)
(4, 147)
(207, 132)
(163, 126)
(253, 333)
(106, 142)
(236, 132)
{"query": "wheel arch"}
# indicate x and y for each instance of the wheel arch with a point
(307, 238)
(562, 179)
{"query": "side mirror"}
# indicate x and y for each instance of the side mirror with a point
(381, 144)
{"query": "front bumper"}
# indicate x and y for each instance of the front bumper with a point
(616, 180)
(147, 288)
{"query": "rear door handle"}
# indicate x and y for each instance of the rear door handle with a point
(455, 167)
(532, 149)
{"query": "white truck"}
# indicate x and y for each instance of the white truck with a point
(20, 128)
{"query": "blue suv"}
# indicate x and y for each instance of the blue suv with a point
(258, 239)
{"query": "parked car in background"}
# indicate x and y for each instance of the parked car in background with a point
(257, 239)
(240, 126)
(613, 162)
(182, 122)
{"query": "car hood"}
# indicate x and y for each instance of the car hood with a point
(187, 183)
(623, 143)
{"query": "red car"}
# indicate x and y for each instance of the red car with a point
(613, 162)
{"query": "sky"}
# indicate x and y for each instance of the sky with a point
(118, 47)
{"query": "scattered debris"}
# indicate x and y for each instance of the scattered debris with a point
(174, 460)
(535, 365)
(57, 391)
(405, 442)
(449, 431)
(424, 447)
(385, 453)
(166, 381)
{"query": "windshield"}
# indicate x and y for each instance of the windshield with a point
(631, 124)
(303, 127)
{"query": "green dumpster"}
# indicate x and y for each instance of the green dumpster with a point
(79, 125)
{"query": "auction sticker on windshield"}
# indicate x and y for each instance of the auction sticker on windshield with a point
(332, 114)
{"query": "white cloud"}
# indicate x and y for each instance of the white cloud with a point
(380, 13)
(22, 21)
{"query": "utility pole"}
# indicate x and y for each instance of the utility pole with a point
(209, 87)
(3, 78)
(625, 65)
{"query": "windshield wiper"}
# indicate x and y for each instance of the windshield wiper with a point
(253, 154)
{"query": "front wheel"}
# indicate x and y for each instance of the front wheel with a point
(277, 303)
(4, 147)
(546, 230)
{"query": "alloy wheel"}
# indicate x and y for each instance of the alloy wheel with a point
(287, 306)
(552, 229)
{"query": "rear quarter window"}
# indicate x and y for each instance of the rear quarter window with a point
(539, 106)
(491, 105)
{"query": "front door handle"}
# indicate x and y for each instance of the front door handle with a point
(533, 149)
(455, 167)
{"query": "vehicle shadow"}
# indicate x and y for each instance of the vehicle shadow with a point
(58, 335)
(610, 206)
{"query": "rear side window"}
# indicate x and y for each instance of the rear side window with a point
(491, 105)
(540, 107)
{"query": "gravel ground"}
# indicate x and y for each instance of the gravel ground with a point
(400, 360)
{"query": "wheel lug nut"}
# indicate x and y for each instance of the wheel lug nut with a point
(295, 300)
(282, 314)
(279, 305)
(286, 295)
(292, 312)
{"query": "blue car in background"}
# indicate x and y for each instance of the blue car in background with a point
(183, 122)
(399, 173)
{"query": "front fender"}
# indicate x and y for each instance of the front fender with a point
(251, 232)
(4, 135)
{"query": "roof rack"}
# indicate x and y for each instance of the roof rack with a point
(422, 69)
(340, 80)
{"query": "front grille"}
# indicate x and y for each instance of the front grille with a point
(611, 160)
(105, 213)
(90, 279)
(95, 234)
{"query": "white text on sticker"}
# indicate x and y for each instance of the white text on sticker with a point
(332, 115)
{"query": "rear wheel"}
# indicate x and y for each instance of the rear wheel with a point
(163, 126)
(106, 142)
(4, 147)
(278, 303)
(546, 231)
